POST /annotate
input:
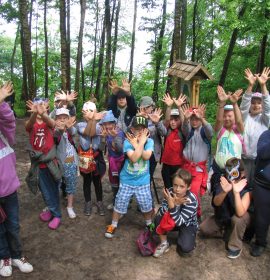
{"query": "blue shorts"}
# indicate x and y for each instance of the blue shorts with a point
(125, 192)
(71, 177)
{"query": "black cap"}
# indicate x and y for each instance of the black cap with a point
(139, 121)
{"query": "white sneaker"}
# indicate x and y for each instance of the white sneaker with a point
(110, 206)
(5, 267)
(161, 249)
(71, 213)
(23, 265)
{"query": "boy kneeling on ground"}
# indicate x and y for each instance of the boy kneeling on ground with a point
(135, 175)
(178, 212)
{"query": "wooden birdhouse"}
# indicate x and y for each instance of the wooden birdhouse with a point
(191, 74)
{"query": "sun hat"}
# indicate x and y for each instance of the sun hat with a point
(109, 117)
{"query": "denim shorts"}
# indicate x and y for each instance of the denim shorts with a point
(125, 192)
(71, 177)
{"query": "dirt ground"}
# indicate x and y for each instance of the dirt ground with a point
(79, 250)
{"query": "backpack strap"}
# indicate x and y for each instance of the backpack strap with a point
(221, 132)
(240, 137)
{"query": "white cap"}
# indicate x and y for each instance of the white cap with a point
(174, 112)
(62, 111)
(228, 107)
(89, 106)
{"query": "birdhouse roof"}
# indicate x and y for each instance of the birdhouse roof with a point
(188, 70)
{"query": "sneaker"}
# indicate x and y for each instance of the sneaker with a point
(87, 208)
(5, 267)
(100, 208)
(110, 231)
(161, 249)
(71, 213)
(45, 216)
(256, 250)
(54, 223)
(23, 265)
(234, 254)
(110, 206)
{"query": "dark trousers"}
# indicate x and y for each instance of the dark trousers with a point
(167, 172)
(10, 243)
(261, 197)
(87, 180)
(50, 191)
(152, 165)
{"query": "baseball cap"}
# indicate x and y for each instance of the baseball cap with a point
(89, 106)
(228, 107)
(139, 121)
(62, 111)
(146, 101)
(109, 117)
(256, 95)
(174, 112)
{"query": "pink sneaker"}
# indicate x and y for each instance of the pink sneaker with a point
(45, 216)
(54, 223)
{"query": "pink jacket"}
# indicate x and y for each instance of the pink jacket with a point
(9, 181)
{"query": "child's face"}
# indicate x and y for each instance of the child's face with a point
(137, 131)
(175, 122)
(256, 106)
(121, 102)
(147, 110)
(180, 188)
(62, 118)
(195, 122)
(228, 119)
(109, 126)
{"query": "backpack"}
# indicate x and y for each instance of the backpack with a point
(87, 163)
(147, 242)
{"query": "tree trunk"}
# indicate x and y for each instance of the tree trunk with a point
(36, 48)
(83, 81)
(114, 47)
(13, 53)
(25, 95)
(183, 38)
(133, 41)
(95, 49)
(26, 45)
(159, 55)
(261, 57)
(64, 46)
(194, 35)
(230, 49)
(80, 42)
(68, 45)
(46, 71)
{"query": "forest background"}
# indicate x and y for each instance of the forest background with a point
(48, 45)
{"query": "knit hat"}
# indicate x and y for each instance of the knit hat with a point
(174, 112)
(89, 106)
(139, 121)
(62, 111)
(109, 117)
(256, 95)
(146, 101)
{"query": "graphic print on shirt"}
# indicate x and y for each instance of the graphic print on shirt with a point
(39, 140)
(226, 147)
(137, 168)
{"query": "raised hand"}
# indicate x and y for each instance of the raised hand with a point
(250, 77)
(6, 90)
(186, 111)
(141, 112)
(71, 122)
(167, 99)
(42, 108)
(88, 115)
(126, 85)
(264, 76)
(156, 115)
(238, 187)
(200, 112)
(143, 136)
(133, 140)
(113, 132)
(113, 85)
(225, 185)
(169, 197)
(222, 96)
(235, 96)
(32, 108)
(71, 96)
(61, 95)
(60, 125)
(181, 200)
(99, 115)
(103, 132)
(180, 101)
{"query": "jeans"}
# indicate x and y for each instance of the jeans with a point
(50, 191)
(10, 243)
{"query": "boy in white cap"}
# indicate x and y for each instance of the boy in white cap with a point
(66, 153)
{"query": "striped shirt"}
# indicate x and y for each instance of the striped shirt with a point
(184, 214)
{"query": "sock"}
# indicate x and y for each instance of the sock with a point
(148, 222)
(114, 223)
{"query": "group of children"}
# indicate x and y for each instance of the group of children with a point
(136, 140)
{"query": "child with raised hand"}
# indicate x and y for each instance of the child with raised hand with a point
(122, 104)
(114, 138)
(172, 157)
(198, 134)
(231, 200)
(134, 176)
(44, 165)
(91, 161)
(10, 245)
(255, 109)
(178, 212)
(66, 152)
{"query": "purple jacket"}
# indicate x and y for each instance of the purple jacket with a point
(9, 181)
